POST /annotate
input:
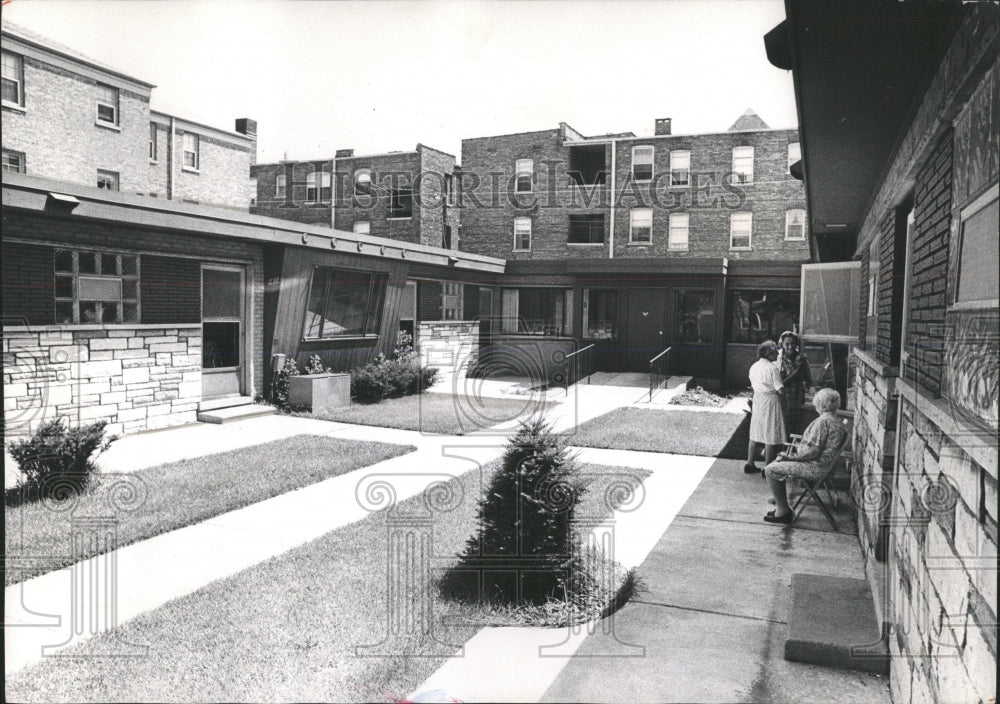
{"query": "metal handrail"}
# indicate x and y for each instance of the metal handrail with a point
(576, 366)
(664, 368)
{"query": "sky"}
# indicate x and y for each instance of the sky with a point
(383, 76)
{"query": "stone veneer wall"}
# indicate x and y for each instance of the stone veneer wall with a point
(450, 345)
(135, 377)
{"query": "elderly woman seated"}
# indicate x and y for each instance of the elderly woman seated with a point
(821, 441)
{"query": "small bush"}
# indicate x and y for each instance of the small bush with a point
(398, 374)
(58, 460)
(279, 385)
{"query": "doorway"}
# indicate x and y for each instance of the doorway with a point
(222, 329)
(646, 331)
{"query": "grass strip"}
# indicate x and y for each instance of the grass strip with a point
(179, 494)
(287, 629)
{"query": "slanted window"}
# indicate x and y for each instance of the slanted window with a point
(13, 79)
(363, 182)
(192, 151)
(642, 163)
(795, 224)
(794, 154)
(344, 303)
(641, 225)
(677, 237)
(153, 141)
(96, 287)
(740, 230)
(537, 311)
(401, 202)
(362, 227)
(13, 161)
(107, 104)
(452, 300)
(525, 175)
(680, 167)
(108, 180)
(586, 228)
(587, 165)
(977, 254)
(522, 234)
(743, 164)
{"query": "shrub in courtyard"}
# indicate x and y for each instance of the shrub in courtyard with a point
(396, 374)
(279, 385)
(58, 460)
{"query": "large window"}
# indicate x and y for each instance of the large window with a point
(758, 315)
(640, 225)
(343, 303)
(695, 316)
(452, 300)
(318, 186)
(538, 311)
(743, 164)
(680, 167)
(13, 79)
(13, 161)
(96, 287)
(279, 186)
(978, 256)
(107, 105)
(600, 313)
(795, 224)
(525, 172)
(740, 230)
(586, 228)
(678, 236)
(192, 151)
(522, 234)
(642, 163)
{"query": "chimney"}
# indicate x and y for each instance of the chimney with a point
(344, 153)
(244, 125)
(662, 126)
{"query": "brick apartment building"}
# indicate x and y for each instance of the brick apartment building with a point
(636, 244)
(68, 118)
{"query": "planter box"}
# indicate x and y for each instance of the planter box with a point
(320, 392)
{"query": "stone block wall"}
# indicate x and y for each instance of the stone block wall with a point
(449, 345)
(135, 377)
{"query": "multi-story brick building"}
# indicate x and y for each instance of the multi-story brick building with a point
(407, 196)
(69, 118)
(637, 244)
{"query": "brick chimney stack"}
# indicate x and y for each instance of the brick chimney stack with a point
(344, 153)
(244, 125)
(662, 126)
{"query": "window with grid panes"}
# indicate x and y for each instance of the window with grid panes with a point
(96, 287)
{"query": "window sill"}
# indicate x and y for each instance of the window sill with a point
(523, 193)
(188, 169)
(407, 217)
(795, 239)
(520, 250)
(107, 126)
(340, 338)
(154, 162)
(680, 185)
(638, 244)
(586, 244)
(677, 249)
(14, 106)
(741, 249)
(973, 305)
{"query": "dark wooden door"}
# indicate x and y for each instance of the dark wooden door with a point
(646, 329)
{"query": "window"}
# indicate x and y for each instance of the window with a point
(362, 227)
(107, 104)
(695, 316)
(641, 225)
(740, 229)
(524, 175)
(96, 287)
(586, 228)
(977, 253)
(794, 154)
(401, 202)
(13, 161)
(13, 79)
(522, 233)
(108, 180)
(279, 186)
(192, 151)
(760, 315)
(743, 164)
(344, 303)
(152, 141)
(325, 185)
(452, 300)
(446, 237)
(537, 311)
(449, 189)
(587, 165)
(680, 168)
(795, 224)
(831, 293)
(600, 313)
(322, 193)
(642, 163)
(253, 191)
(677, 238)
(362, 182)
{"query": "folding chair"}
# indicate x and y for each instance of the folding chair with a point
(812, 488)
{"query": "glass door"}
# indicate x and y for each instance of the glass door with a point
(222, 294)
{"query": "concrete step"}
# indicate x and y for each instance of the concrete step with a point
(234, 413)
(833, 623)
(228, 401)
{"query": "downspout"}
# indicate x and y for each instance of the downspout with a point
(611, 227)
(171, 176)
(333, 193)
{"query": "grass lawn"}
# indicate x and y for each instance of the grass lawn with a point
(678, 432)
(444, 414)
(287, 629)
(183, 493)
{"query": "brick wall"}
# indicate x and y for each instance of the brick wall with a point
(223, 174)
(134, 377)
(884, 301)
(28, 285)
(450, 345)
(863, 332)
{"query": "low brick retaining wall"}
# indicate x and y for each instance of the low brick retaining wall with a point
(450, 345)
(135, 377)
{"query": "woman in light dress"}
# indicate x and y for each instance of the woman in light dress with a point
(767, 424)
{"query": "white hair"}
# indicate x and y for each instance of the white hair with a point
(826, 400)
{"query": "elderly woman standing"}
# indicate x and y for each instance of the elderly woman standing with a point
(821, 441)
(767, 426)
(796, 377)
